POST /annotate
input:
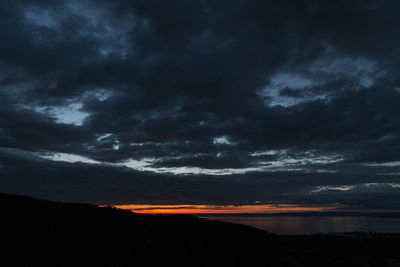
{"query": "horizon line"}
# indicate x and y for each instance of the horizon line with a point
(245, 210)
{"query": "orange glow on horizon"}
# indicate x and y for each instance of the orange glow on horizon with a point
(214, 209)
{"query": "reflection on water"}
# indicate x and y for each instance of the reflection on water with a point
(315, 224)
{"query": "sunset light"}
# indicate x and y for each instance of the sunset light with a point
(215, 209)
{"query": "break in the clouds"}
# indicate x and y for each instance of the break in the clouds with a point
(207, 102)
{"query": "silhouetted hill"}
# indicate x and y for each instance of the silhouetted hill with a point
(45, 233)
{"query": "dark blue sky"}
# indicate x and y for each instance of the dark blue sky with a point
(208, 102)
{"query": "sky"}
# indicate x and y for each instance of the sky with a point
(234, 103)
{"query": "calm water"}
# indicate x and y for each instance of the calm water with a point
(315, 224)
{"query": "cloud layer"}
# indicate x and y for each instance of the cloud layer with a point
(205, 102)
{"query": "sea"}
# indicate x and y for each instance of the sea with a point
(298, 225)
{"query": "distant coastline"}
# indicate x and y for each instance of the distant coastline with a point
(301, 214)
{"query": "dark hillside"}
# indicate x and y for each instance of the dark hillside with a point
(44, 233)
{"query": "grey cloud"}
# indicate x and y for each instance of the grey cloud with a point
(165, 79)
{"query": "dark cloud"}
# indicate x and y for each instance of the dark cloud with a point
(242, 88)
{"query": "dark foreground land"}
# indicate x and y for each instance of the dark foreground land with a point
(44, 233)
